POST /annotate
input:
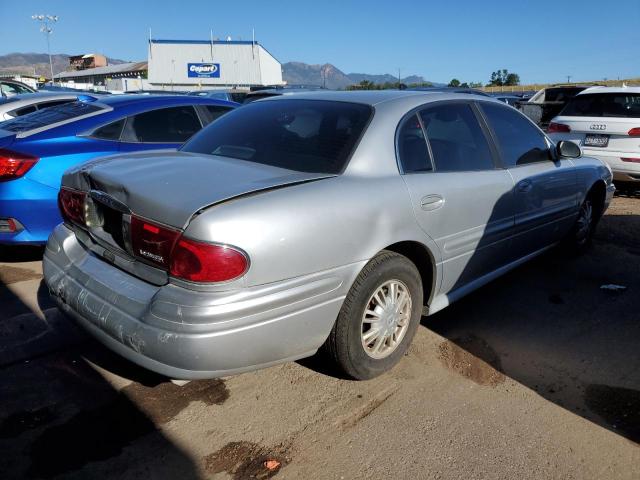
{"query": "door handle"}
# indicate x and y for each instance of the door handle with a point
(525, 186)
(432, 202)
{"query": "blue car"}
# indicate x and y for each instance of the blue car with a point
(36, 149)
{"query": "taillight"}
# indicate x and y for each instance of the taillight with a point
(558, 128)
(72, 205)
(205, 262)
(152, 242)
(634, 132)
(184, 258)
(631, 160)
(14, 165)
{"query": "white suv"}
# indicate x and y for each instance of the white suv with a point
(605, 122)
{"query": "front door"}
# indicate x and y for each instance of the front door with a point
(545, 190)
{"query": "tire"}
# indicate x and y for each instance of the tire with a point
(579, 238)
(356, 344)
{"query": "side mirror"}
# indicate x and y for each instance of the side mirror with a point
(568, 149)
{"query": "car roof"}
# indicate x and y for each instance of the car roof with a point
(8, 80)
(375, 97)
(127, 99)
(610, 90)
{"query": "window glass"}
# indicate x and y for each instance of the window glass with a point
(625, 105)
(457, 141)
(14, 88)
(42, 106)
(301, 135)
(165, 125)
(519, 140)
(412, 147)
(111, 131)
(216, 111)
(50, 116)
(23, 111)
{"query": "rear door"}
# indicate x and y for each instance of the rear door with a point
(545, 193)
(160, 129)
(460, 196)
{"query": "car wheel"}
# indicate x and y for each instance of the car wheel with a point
(378, 318)
(581, 234)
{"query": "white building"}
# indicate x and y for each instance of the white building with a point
(194, 64)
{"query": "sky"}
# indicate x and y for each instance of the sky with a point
(542, 41)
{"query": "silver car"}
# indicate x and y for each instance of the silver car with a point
(328, 219)
(19, 105)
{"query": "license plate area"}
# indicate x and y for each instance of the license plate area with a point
(596, 140)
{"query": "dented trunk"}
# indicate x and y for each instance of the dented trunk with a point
(170, 187)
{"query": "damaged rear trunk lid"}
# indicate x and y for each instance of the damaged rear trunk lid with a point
(170, 187)
(164, 187)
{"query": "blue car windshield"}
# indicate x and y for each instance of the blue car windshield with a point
(49, 116)
(302, 135)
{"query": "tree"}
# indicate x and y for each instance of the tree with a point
(454, 83)
(512, 79)
(502, 77)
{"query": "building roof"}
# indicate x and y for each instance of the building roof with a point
(108, 70)
(206, 42)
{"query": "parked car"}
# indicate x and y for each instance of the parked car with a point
(605, 122)
(229, 95)
(512, 100)
(327, 218)
(35, 149)
(548, 102)
(9, 88)
(18, 105)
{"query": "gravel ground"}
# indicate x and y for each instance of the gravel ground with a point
(533, 376)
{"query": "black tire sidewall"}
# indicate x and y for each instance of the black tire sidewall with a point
(353, 356)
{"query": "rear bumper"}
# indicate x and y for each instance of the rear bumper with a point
(34, 205)
(186, 334)
(622, 171)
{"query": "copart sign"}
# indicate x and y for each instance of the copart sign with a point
(203, 70)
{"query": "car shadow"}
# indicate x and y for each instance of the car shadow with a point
(552, 327)
(21, 253)
(59, 416)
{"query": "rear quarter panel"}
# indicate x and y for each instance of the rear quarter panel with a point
(312, 227)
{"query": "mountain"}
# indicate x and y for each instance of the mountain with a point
(299, 73)
(294, 73)
(27, 63)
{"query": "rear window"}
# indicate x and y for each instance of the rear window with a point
(624, 105)
(303, 135)
(561, 94)
(50, 116)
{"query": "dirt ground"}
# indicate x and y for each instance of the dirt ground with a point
(533, 376)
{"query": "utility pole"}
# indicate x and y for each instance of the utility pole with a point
(568, 78)
(45, 27)
(398, 78)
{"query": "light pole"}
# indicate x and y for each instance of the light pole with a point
(45, 27)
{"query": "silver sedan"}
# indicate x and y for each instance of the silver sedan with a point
(330, 220)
